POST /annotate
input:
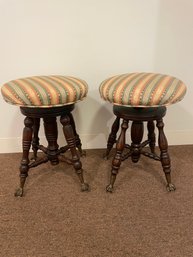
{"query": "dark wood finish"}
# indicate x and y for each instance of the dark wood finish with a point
(112, 137)
(137, 130)
(52, 151)
(35, 140)
(138, 116)
(77, 138)
(46, 112)
(51, 132)
(117, 159)
(71, 140)
(164, 156)
(26, 144)
(151, 135)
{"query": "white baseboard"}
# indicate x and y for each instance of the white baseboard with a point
(95, 141)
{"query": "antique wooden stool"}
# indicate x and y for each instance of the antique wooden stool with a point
(140, 97)
(47, 97)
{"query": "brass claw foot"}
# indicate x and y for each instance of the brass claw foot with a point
(85, 187)
(18, 192)
(170, 187)
(109, 188)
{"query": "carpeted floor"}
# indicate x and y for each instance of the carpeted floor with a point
(140, 219)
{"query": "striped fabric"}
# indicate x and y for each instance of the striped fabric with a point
(142, 89)
(44, 91)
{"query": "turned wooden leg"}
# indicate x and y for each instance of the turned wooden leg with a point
(51, 132)
(116, 163)
(151, 135)
(112, 137)
(35, 140)
(136, 137)
(164, 156)
(26, 144)
(71, 141)
(77, 138)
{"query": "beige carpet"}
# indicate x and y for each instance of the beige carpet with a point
(140, 219)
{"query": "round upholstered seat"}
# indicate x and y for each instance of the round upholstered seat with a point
(142, 89)
(46, 98)
(44, 91)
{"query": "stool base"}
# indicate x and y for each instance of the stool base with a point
(52, 152)
(123, 151)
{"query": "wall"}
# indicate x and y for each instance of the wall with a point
(94, 40)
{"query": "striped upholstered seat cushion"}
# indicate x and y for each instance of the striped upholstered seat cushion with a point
(142, 89)
(44, 91)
